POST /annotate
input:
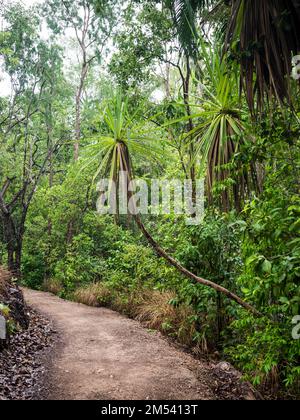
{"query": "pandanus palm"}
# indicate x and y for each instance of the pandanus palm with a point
(221, 132)
(115, 149)
(262, 36)
(122, 139)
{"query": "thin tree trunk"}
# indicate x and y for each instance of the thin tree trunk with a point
(190, 126)
(50, 151)
(168, 79)
(9, 236)
(18, 259)
(220, 318)
(70, 232)
(77, 124)
(84, 72)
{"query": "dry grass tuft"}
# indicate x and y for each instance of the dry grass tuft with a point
(52, 286)
(127, 304)
(155, 309)
(96, 294)
(157, 313)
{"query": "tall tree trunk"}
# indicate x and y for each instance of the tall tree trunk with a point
(50, 153)
(190, 126)
(83, 75)
(10, 258)
(18, 259)
(167, 77)
(70, 232)
(14, 257)
(9, 236)
(220, 317)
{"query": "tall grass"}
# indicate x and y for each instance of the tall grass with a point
(52, 286)
(95, 294)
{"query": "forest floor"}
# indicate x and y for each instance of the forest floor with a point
(102, 355)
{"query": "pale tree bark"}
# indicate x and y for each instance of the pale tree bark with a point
(85, 43)
(190, 169)
(83, 75)
(85, 24)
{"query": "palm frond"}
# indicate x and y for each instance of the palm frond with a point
(184, 13)
(263, 36)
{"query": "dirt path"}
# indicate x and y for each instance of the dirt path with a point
(104, 355)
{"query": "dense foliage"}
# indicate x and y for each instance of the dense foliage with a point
(155, 92)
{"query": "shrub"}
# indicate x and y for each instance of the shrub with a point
(79, 266)
(264, 348)
(266, 352)
(33, 269)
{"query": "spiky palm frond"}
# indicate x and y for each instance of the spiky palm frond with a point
(263, 36)
(184, 13)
